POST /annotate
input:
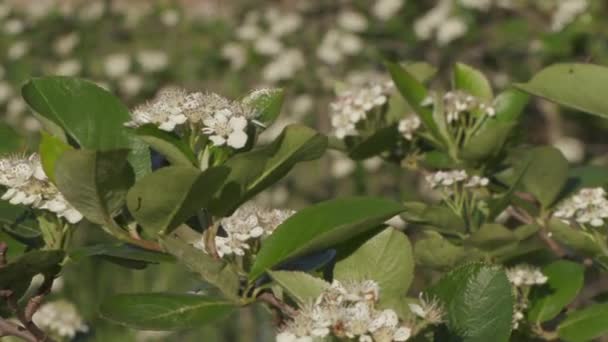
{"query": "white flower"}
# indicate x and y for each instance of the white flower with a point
(236, 54)
(525, 275)
(352, 21)
(430, 310)
(451, 29)
(573, 149)
(153, 60)
(268, 46)
(65, 44)
(425, 26)
(567, 11)
(446, 178)
(476, 182)
(284, 66)
(386, 9)
(589, 205)
(17, 50)
(70, 67)
(225, 129)
(285, 23)
(61, 318)
(166, 111)
(169, 17)
(13, 26)
(481, 5)
(117, 65)
(458, 102)
(6, 91)
(92, 11)
(408, 126)
(131, 84)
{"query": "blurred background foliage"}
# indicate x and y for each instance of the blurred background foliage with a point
(310, 48)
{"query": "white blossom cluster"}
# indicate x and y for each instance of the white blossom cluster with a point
(60, 318)
(408, 126)
(343, 40)
(566, 12)
(443, 179)
(346, 310)
(27, 184)
(588, 206)
(352, 106)
(222, 120)
(523, 276)
(441, 24)
(248, 223)
(458, 102)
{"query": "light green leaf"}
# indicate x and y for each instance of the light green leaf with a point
(164, 311)
(472, 81)
(164, 199)
(478, 301)
(120, 250)
(566, 278)
(50, 149)
(301, 286)
(254, 171)
(386, 258)
(585, 325)
(320, 226)
(95, 183)
(436, 252)
(576, 239)
(546, 175)
(491, 236)
(575, 85)
(175, 150)
(267, 105)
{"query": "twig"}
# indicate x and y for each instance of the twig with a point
(34, 303)
(525, 218)
(8, 328)
(3, 250)
(28, 324)
(273, 301)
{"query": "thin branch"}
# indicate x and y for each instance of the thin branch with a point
(3, 250)
(525, 218)
(8, 328)
(28, 324)
(34, 302)
(273, 301)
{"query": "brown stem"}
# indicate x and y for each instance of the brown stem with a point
(3, 250)
(28, 323)
(8, 328)
(273, 301)
(525, 218)
(34, 303)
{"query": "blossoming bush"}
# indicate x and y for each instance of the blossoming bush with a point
(505, 246)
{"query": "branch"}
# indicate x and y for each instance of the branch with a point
(273, 301)
(29, 325)
(525, 218)
(34, 303)
(8, 328)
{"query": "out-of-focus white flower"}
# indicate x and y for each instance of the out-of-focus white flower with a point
(284, 66)
(481, 5)
(588, 206)
(567, 11)
(476, 182)
(286, 23)
(70, 67)
(92, 10)
(336, 44)
(430, 310)
(6, 91)
(248, 32)
(451, 29)
(526, 275)
(5, 10)
(302, 104)
(27, 184)
(408, 126)
(65, 44)
(350, 44)
(17, 50)
(31, 124)
(169, 17)
(117, 65)
(224, 128)
(131, 84)
(16, 105)
(236, 53)
(352, 21)
(60, 318)
(425, 26)
(14, 26)
(446, 178)
(153, 60)
(268, 46)
(572, 148)
(386, 9)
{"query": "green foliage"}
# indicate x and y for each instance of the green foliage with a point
(478, 301)
(301, 286)
(10, 141)
(164, 311)
(585, 325)
(175, 150)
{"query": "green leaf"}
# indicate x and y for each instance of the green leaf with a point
(175, 150)
(546, 175)
(10, 141)
(320, 226)
(215, 272)
(382, 140)
(386, 258)
(120, 250)
(254, 171)
(90, 115)
(301, 286)
(566, 279)
(576, 239)
(414, 93)
(18, 223)
(94, 182)
(28, 265)
(585, 325)
(472, 81)
(436, 252)
(164, 311)
(164, 199)
(575, 85)
(50, 149)
(478, 301)
(267, 105)
(491, 236)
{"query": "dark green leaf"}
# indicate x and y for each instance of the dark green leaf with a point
(10, 141)
(268, 106)
(566, 278)
(478, 301)
(585, 325)
(28, 265)
(546, 175)
(163, 200)
(321, 226)
(382, 140)
(122, 251)
(174, 149)
(164, 311)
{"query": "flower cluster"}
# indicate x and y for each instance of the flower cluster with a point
(430, 310)
(222, 120)
(352, 106)
(588, 206)
(449, 178)
(27, 184)
(458, 102)
(522, 277)
(408, 126)
(248, 223)
(60, 318)
(346, 310)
